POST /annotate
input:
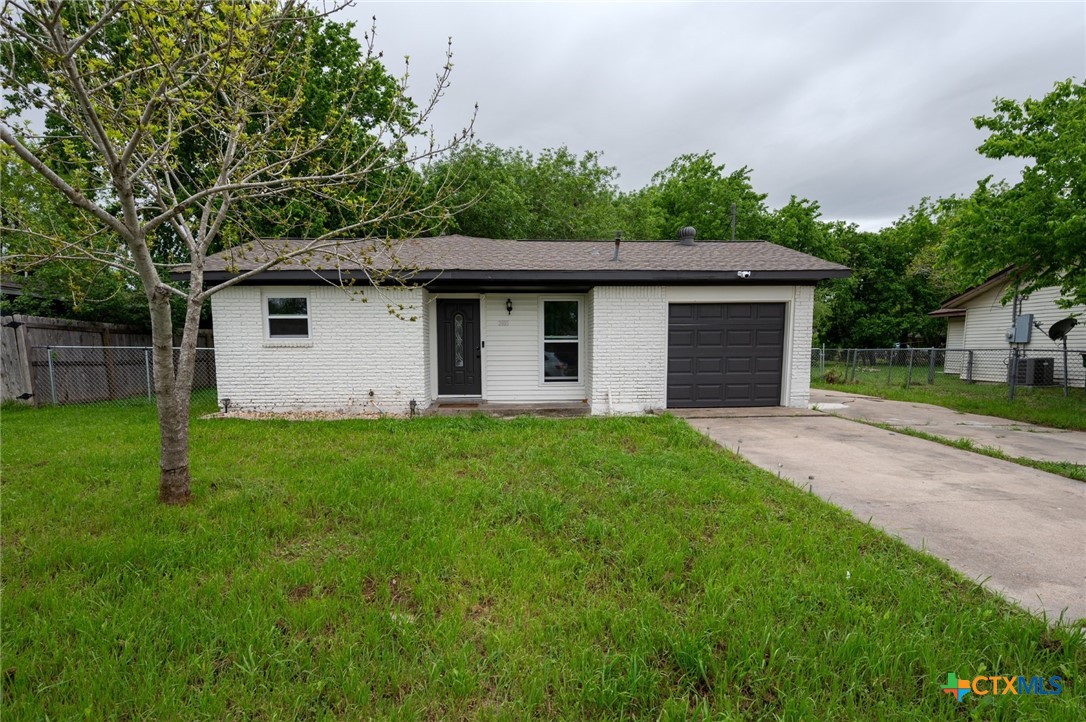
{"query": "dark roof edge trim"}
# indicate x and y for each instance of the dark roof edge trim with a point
(972, 292)
(948, 313)
(304, 277)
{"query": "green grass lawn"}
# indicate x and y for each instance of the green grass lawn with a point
(447, 568)
(1045, 406)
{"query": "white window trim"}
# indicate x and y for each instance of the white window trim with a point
(286, 340)
(543, 380)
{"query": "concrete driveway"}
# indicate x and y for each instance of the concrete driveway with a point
(1022, 530)
(1011, 437)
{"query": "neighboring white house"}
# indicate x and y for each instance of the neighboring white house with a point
(663, 325)
(978, 320)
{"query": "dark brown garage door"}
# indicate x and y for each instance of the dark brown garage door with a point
(724, 354)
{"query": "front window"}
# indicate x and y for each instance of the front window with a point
(561, 341)
(288, 316)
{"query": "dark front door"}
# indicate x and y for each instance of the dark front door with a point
(725, 354)
(458, 347)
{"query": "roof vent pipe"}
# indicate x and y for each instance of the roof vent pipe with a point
(687, 236)
(618, 242)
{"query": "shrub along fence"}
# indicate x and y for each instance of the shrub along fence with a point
(939, 366)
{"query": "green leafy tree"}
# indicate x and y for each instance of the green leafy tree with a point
(797, 225)
(187, 129)
(889, 295)
(1037, 225)
(695, 191)
(509, 193)
(66, 288)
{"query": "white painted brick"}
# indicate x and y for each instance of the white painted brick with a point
(801, 332)
(354, 347)
(628, 349)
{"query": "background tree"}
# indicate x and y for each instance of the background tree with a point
(187, 131)
(66, 288)
(1037, 225)
(797, 225)
(695, 191)
(509, 193)
(889, 295)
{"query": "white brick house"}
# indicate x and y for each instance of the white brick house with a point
(666, 325)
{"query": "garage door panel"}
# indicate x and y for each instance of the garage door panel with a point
(709, 365)
(769, 394)
(739, 311)
(680, 311)
(680, 338)
(710, 339)
(768, 337)
(682, 393)
(740, 338)
(707, 391)
(725, 354)
(769, 311)
(738, 365)
(708, 311)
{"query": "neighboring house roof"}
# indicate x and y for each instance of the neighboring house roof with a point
(467, 260)
(954, 307)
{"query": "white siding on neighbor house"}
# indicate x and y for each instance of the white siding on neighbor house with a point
(987, 321)
(629, 341)
(353, 348)
(955, 339)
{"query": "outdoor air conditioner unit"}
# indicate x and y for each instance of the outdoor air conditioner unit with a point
(1035, 372)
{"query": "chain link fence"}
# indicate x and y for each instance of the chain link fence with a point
(122, 375)
(949, 366)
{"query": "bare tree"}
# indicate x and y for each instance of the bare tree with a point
(186, 129)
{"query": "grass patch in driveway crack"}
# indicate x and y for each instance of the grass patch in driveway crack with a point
(1068, 469)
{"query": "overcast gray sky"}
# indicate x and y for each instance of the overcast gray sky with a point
(864, 107)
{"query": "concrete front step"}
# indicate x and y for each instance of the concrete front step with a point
(505, 411)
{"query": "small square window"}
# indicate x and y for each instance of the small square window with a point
(288, 316)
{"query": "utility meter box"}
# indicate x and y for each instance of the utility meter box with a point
(1021, 330)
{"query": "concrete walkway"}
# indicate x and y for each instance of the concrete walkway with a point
(1022, 530)
(1013, 438)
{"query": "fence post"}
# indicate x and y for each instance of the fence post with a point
(931, 366)
(147, 369)
(969, 367)
(1013, 366)
(909, 378)
(52, 374)
(890, 372)
(855, 358)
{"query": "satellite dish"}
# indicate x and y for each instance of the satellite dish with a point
(1060, 329)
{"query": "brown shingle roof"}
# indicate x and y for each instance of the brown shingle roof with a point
(466, 253)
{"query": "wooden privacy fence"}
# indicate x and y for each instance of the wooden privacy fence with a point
(58, 361)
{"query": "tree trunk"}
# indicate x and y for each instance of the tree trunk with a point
(173, 418)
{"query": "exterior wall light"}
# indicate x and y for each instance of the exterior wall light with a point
(509, 306)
